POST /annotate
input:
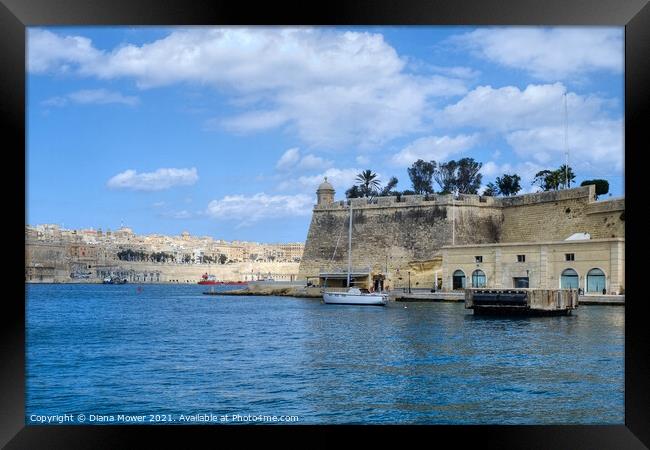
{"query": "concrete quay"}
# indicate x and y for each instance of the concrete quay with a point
(460, 297)
(280, 290)
(601, 300)
(427, 296)
(293, 290)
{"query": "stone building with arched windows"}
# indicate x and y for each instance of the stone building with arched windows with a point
(596, 266)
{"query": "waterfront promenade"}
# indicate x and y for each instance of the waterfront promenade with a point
(296, 289)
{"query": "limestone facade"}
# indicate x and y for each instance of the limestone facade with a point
(542, 264)
(402, 238)
(54, 254)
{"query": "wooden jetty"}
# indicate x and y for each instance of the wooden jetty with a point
(546, 302)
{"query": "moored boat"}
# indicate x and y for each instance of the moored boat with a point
(209, 279)
(114, 280)
(354, 296)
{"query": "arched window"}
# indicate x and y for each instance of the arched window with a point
(478, 279)
(569, 279)
(459, 280)
(595, 281)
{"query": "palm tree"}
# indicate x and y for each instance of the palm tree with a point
(368, 182)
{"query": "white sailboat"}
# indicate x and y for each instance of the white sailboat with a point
(354, 296)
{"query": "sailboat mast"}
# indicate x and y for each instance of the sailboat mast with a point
(566, 143)
(350, 246)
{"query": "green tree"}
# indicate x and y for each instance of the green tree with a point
(548, 180)
(468, 176)
(491, 190)
(368, 183)
(421, 174)
(353, 192)
(222, 258)
(508, 184)
(602, 186)
(445, 176)
(388, 189)
(462, 175)
(552, 180)
(564, 174)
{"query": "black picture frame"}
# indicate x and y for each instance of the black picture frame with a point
(16, 15)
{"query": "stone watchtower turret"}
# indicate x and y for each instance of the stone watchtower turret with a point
(325, 193)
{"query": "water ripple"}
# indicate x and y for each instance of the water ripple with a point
(169, 349)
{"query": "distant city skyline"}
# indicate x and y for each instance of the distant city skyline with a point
(124, 228)
(227, 132)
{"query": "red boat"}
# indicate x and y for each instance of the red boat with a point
(209, 279)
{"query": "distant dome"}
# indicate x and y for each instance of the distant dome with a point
(325, 186)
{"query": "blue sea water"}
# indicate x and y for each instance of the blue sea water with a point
(172, 355)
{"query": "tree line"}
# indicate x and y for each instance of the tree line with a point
(464, 177)
(163, 257)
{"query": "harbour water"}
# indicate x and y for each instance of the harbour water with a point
(162, 351)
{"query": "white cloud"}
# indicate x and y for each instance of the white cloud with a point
(340, 179)
(532, 121)
(153, 181)
(310, 162)
(597, 143)
(252, 121)
(456, 71)
(509, 108)
(490, 169)
(362, 159)
(331, 88)
(549, 53)
(526, 170)
(92, 96)
(288, 159)
(250, 209)
(47, 52)
(291, 159)
(435, 148)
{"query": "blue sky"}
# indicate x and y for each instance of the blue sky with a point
(227, 132)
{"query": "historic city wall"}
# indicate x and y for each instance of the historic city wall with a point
(555, 215)
(191, 273)
(391, 233)
(402, 235)
(52, 263)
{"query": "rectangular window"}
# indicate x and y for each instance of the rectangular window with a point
(569, 257)
(521, 258)
(520, 282)
(478, 259)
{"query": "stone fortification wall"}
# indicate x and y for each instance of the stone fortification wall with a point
(555, 215)
(46, 262)
(52, 262)
(395, 234)
(191, 273)
(386, 232)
